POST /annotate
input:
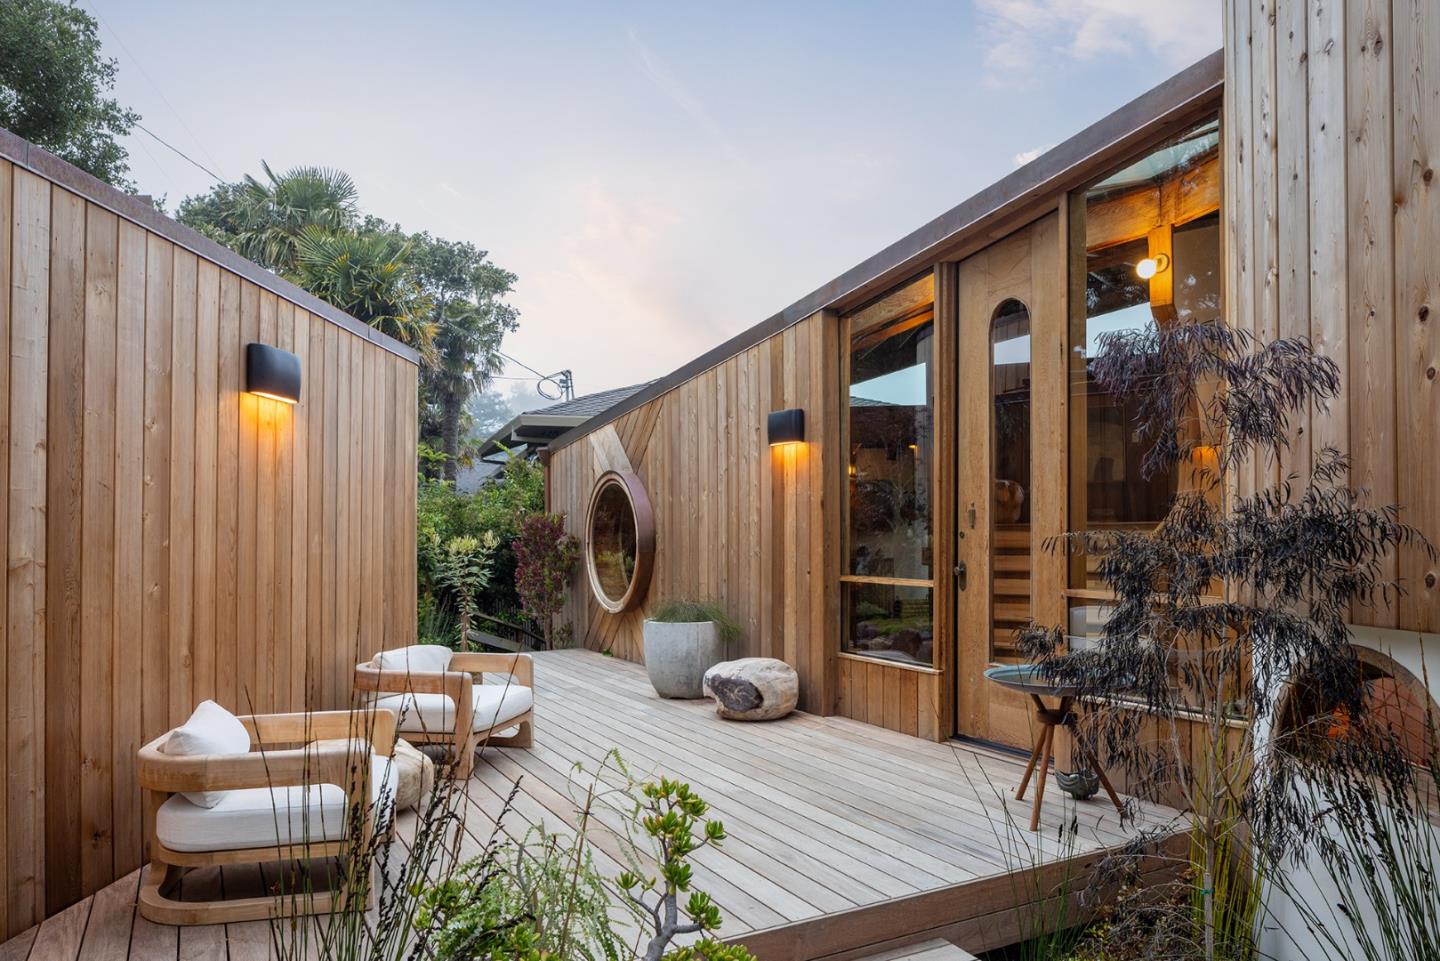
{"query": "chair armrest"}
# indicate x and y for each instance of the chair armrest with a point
(332, 763)
(453, 683)
(521, 666)
(305, 726)
(457, 685)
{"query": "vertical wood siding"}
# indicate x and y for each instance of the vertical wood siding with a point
(169, 537)
(754, 528)
(1332, 136)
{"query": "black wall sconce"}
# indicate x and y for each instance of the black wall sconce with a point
(272, 372)
(786, 426)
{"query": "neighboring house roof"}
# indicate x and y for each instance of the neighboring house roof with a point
(536, 428)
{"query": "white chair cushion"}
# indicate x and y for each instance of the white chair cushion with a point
(265, 817)
(416, 659)
(494, 704)
(210, 730)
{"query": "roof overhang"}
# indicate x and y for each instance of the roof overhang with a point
(529, 430)
(989, 215)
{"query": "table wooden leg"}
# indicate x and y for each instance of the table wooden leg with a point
(1049, 739)
(1094, 761)
(1034, 759)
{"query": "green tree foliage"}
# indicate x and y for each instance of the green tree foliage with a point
(470, 319)
(53, 85)
(496, 510)
(370, 278)
(487, 412)
(444, 298)
(463, 567)
(264, 219)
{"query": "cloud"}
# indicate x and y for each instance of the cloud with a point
(1025, 156)
(1021, 36)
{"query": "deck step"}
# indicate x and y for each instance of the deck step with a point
(935, 950)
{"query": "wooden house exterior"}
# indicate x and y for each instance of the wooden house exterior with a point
(1283, 184)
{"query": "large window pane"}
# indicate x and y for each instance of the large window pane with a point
(1151, 255)
(891, 439)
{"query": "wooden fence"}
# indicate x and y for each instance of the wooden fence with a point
(170, 538)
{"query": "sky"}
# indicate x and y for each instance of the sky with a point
(660, 176)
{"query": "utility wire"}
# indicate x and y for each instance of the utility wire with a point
(161, 92)
(180, 152)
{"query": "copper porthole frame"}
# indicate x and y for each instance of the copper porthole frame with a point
(644, 517)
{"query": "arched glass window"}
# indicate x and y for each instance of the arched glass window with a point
(1010, 443)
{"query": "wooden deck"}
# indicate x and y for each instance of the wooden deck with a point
(846, 840)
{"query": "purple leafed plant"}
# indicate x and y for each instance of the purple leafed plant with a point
(545, 558)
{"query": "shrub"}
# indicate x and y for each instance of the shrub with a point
(693, 612)
(542, 897)
(496, 510)
(545, 557)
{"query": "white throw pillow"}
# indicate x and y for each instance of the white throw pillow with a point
(210, 730)
(415, 659)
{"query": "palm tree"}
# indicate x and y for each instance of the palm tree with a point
(271, 216)
(367, 276)
(467, 348)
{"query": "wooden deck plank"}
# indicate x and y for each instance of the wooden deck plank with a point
(933, 950)
(60, 935)
(848, 842)
(107, 935)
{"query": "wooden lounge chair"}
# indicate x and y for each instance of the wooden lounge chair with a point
(439, 697)
(219, 795)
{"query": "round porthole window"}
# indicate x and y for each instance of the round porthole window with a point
(620, 531)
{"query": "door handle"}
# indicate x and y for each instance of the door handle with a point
(960, 575)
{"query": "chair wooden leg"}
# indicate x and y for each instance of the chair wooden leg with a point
(524, 736)
(158, 907)
(465, 762)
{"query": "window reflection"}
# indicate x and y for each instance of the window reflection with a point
(1163, 206)
(613, 542)
(888, 533)
(1010, 509)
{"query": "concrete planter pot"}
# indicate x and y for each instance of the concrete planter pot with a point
(677, 655)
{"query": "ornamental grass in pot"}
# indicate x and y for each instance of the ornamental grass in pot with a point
(684, 639)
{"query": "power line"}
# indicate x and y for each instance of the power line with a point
(161, 91)
(520, 364)
(563, 380)
(180, 152)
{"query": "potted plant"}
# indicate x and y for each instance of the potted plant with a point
(684, 639)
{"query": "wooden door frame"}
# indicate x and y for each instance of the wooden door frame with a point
(981, 710)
